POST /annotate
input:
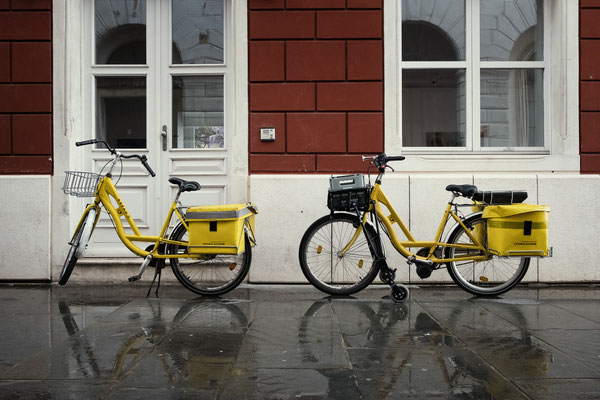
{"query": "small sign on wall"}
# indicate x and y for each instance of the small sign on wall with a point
(267, 134)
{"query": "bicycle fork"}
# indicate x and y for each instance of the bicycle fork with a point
(386, 274)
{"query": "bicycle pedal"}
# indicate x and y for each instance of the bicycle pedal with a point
(414, 260)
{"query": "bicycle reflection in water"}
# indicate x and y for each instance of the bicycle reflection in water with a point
(390, 350)
(154, 342)
(400, 350)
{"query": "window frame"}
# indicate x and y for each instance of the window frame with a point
(561, 128)
(472, 65)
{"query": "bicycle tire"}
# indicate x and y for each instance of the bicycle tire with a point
(490, 277)
(209, 274)
(80, 238)
(326, 237)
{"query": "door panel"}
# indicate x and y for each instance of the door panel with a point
(182, 165)
(135, 195)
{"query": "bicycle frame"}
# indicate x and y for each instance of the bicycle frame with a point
(107, 190)
(378, 198)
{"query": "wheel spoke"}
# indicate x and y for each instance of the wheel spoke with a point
(489, 277)
(208, 274)
(323, 262)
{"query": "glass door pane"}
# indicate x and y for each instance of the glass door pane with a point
(120, 31)
(121, 111)
(198, 28)
(198, 119)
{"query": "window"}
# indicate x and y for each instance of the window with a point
(473, 75)
(198, 99)
(120, 39)
(198, 115)
(123, 71)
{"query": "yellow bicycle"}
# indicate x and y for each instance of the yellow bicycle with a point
(209, 249)
(342, 253)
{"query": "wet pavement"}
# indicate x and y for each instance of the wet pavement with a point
(292, 341)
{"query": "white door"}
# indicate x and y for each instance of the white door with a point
(159, 77)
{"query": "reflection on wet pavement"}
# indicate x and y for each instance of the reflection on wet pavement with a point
(282, 342)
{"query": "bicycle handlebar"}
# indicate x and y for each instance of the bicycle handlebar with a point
(382, 159)
(143, 159)
(84, 142)
(396, 158)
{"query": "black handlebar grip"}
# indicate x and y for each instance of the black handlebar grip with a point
(395, 158)
(84, 142)
(145, 163)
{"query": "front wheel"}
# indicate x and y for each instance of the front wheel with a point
(78, 245)
(323, 261)
(490, 277)
(208, 274)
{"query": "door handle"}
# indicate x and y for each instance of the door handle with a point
(163, 133)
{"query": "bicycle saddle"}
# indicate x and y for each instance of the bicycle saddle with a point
(464, 190)
(185, 186)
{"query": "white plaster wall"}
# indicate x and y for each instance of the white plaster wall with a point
(25, 232)
(288, 204)
(574, 227)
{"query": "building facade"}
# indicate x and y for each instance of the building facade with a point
(500, 94)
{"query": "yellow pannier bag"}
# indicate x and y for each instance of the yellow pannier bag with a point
(517, 230)
(219, 229)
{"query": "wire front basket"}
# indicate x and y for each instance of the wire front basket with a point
(81, 184)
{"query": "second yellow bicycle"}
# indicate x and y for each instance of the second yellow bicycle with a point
(486, 252)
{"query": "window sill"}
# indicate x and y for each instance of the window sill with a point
(508, 153)
(488, 162)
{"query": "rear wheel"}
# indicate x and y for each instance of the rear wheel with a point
(491, 277)
(208, 274)
(78, 245)
(323, 263)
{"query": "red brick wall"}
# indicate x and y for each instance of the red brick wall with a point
(589, 56)
(25, 87)
(316, 76)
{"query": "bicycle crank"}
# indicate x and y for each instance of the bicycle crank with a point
(424, 269)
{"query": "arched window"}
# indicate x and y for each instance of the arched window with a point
(124, 44)
(432, 99)
(473, 75)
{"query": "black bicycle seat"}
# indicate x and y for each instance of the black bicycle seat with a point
(185, 186)
(464, 190)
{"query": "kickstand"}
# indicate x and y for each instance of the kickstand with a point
(157, 272)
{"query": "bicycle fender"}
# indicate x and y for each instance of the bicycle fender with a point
(87, 231)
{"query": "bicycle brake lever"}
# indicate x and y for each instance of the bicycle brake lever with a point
(387, 166)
